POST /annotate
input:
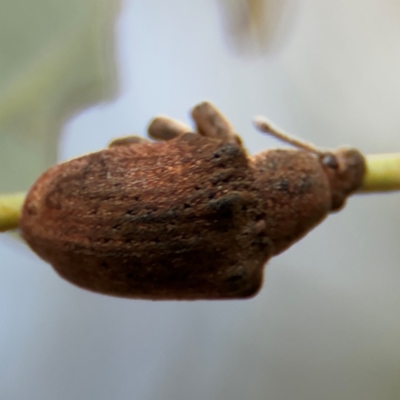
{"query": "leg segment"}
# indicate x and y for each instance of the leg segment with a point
(164, 128)
(210, 122)
(127, 140)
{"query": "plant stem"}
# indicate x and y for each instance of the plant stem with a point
(10, 208)
(383, 173)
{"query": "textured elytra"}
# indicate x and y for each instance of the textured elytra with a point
(191, 217)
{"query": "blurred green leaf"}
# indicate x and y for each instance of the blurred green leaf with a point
(56, 56)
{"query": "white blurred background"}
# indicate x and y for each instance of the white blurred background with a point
(326, 324)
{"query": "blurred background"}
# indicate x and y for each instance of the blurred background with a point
(326, 323)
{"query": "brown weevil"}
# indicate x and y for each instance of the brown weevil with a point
(189, 216)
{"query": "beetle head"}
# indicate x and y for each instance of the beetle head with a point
(345, 168)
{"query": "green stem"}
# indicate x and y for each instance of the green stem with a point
(10, 209)
(383, 173)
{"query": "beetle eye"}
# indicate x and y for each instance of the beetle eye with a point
(330, 161)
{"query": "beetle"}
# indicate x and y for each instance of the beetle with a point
(188, 216)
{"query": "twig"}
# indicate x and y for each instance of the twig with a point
(10, 208)
(383, 173)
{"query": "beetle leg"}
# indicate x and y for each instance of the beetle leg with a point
(210, 122)
(127, 140)
(164, 128)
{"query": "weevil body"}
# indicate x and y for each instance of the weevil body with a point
(189, 217)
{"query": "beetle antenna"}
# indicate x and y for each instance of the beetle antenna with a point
(265, 126)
